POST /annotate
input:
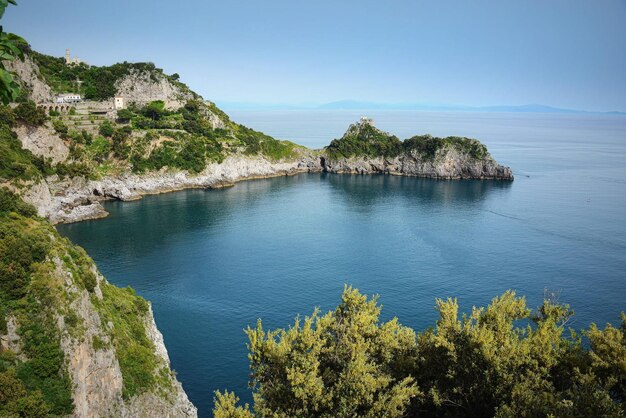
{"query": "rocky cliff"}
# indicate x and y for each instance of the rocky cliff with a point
(141, 87)
(71, 344)
(31, 79)
(77, 199)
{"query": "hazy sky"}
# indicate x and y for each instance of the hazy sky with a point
(566, 53)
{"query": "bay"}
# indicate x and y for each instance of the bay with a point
(213, 262)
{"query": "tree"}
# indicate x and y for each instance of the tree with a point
(342, 364)
(29, 113)
(9, 51)
(106, 129)
(124, 115)
(504, 360)
(154, 110)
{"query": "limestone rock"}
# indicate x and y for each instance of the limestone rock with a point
(42, 142)
(28, 72)
(141, 87)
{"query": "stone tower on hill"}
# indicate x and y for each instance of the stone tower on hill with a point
(69, 60)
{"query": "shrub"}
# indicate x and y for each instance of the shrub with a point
(17, 163)
(106, 129)
(7, 117)
(9, 202)
(365, 139)
(60, 128)
(29, 113)
(73, 169)
(503, 360)
(124, 115)
(99, 149)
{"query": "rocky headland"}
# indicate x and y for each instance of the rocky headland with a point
(364, 149)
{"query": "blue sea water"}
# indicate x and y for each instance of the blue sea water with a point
(212, 262)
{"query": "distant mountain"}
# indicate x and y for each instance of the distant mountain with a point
(366, 105)
(529, 108)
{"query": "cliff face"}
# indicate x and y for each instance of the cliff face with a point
(31, 80)
(85, 347)
(141, 87)
(447, 164)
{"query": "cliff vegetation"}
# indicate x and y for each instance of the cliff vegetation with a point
(363, 139)
(48, 290)
(503, 360)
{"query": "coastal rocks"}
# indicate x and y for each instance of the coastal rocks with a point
(448, 164)
(365, 149)
(77, 199)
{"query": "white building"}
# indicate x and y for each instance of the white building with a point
(68, 98)
(118, 103)
(366, 121)
(69, 60)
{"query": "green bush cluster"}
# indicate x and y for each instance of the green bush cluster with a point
(135, 351)
(366, 140)
(184, 151)
(60, 128)
(503, 360)
(39, 385)
(255, 142)
(73, 169)
(428, 145)
(29, 113)
(9, 202)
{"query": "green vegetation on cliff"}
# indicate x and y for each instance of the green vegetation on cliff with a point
(365, 140)
(504, 360)
(35, 383)
(35, 264)
(92, 82)
(200, 124)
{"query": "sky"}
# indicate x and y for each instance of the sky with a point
(563, 53)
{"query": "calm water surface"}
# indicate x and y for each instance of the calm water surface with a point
(212, 262)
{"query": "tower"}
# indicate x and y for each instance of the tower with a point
(68, 60)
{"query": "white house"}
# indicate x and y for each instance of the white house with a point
(68, 98)
(118, 103)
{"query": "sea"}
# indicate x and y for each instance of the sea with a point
(213, 262)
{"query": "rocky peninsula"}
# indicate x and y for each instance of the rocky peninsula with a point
(364, 149)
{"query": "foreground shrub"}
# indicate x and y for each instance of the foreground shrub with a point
(503, 360)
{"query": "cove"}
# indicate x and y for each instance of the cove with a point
(213, 261)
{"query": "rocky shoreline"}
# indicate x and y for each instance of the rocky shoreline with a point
(79, 199)
(452, 166)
